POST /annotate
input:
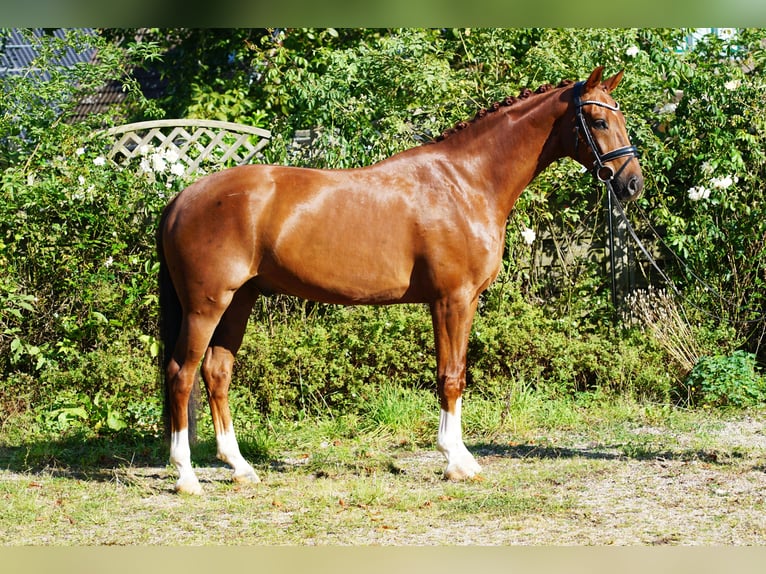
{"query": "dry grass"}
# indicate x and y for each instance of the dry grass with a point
(642, 480)
(659, 314)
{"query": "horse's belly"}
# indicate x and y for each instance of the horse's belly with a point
(341, 275)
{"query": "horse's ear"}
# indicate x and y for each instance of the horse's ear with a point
(612, 82)
(595, 78)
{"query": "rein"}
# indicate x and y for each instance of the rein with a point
(614, 201)
(602, 171)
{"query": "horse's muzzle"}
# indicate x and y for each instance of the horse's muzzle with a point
(628, 188)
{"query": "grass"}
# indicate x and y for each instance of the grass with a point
(567, 471)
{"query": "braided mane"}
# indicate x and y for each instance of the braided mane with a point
(509, 101)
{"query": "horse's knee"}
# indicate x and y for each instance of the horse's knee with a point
(172, 370)
(215, 371)
(181, 386)
(217, 376)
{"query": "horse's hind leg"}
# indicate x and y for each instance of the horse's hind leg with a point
(196, 330)
(216, 372)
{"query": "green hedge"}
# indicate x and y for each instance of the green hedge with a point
(78, 302)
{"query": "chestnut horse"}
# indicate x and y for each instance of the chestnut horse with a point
(426, 225)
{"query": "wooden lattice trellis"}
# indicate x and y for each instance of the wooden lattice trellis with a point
(196, 142)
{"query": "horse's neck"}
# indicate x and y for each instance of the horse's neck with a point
(517, 145)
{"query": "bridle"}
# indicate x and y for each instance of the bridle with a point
(602, 171)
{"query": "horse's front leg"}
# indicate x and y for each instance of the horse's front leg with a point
(452, 318)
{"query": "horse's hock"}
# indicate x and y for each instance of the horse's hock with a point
(208, 144)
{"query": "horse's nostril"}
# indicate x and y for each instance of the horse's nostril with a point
(635, 185)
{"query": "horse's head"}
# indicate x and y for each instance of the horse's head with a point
(601, 141)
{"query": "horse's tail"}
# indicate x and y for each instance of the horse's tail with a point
(170, 317)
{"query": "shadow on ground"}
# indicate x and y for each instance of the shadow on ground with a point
(626, 451)
(87, 458)
(97, 458)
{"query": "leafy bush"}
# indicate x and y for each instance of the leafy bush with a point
(77, 297)
(77, 293)
(520, 342)
(346, 358)
(79, 241)
(710, 200)
(335, 359)
(726, 381)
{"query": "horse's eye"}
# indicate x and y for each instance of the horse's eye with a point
(600, 124)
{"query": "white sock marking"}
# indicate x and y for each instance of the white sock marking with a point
(228, 452)
(450, 431)
(180, 456)
(450, 443)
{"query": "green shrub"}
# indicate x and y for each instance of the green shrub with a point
(710, 200)
(76, 233)
(78, 299)
(520, 342)
(726, 381)
(336, 357)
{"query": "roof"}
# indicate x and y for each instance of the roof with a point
(111, 93)
(18, 53)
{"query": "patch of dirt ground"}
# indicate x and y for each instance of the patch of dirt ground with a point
(624, 502)
(551, 491)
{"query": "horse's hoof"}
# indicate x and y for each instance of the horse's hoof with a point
(189, 487)
(246, 478)
(458, 472)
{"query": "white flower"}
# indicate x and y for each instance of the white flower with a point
(699, 192)
(145, 150)
(707, 168)
(632, 51)
(171, 155)
(81, 179)
(177, 169)
(109, 261)
(732, 85)
(100, 160)
(79, 151)
(158, 163)
(145, 166)
(668, 108)
(529, 235)
(723, 182)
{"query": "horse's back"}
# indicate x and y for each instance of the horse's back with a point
(333, 236)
